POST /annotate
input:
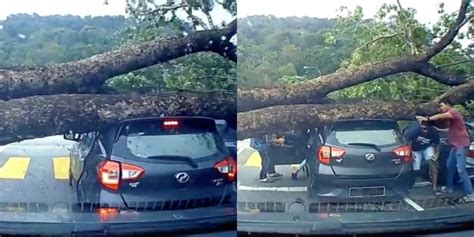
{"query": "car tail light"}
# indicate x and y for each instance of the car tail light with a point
(110, 173)
(404, 152)
(470, 151)
(228, 168)
(325, 154)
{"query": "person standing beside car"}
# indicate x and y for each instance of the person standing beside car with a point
(424, 141)
(261, 144)
(459, 141)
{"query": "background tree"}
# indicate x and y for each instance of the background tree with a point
(391, 57)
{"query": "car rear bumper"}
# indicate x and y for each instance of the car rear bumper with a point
(339, 188)
(199, 220)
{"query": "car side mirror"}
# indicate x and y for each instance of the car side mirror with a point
(71, 136)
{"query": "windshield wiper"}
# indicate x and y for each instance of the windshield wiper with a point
(186, 159)
(365, 144)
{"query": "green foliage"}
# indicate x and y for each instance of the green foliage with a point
(275, 51)
(37, 40)
(201, 72)
(395, 32)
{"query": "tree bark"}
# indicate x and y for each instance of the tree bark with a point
(288, 117)
(88, 74)
(40, 116)
(313, 91)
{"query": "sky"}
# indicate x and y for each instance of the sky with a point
(62, 7)
(81, 8)
(426, 9)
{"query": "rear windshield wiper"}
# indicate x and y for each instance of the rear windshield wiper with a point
(186, 159)
(365, 144)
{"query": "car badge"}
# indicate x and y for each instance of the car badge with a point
(370, 157)
(182, 177)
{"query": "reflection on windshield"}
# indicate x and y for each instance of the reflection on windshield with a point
(334, 119)
(85, 70)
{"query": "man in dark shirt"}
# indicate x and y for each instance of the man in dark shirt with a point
(424, 141)
(261, 144)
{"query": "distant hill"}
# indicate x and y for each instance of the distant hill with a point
(32, 39)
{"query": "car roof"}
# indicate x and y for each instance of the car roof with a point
(118, 124)
(166, 117)
(364, 120)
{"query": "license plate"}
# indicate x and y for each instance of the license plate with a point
(377, 191)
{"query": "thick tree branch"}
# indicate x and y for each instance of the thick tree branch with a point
(429, 70)
(82, 75)
(313, 91)
(455, 63)
(40, 116)
(451, 34)
(458, 94)
(287, 117)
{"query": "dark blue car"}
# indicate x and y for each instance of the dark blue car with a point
(155, 164)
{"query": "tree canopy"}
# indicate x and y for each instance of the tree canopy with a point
(353, 61)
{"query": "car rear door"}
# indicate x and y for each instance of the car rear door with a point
(366, 149)
(173, 163)
(288, 153)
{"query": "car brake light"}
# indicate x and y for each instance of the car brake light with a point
(170, 123)
(325, 154)
(110, 175)
(404, 152)
(228, 168)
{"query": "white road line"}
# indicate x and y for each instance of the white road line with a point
(239, 151)
(272, 189)
(422, 184)
(413, 204)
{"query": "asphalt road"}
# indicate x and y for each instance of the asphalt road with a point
(286, 190)
(35, 171)
(34, 175)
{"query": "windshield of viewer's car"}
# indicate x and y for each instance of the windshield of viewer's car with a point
(72, 72)
(331, 111)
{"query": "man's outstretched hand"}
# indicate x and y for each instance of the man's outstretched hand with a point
(421, 118)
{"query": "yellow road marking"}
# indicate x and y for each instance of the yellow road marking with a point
(15, 168)
(61, 167)
(254, 160)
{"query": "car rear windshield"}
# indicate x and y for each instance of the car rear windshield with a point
(185, 138)
(379, 133)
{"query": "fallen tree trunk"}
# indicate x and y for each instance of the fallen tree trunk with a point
(288, 117)
(40, 116)
(86, 75)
